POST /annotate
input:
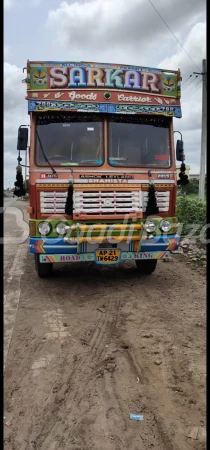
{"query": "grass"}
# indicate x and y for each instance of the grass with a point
(192, 196)
(191, 211)
(195, 197)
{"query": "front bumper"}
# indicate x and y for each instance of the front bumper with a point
(88, 257)
(57, 250)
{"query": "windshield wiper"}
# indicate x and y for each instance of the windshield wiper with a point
(47, 160)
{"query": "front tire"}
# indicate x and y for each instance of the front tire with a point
(146, 267)
(43, 270)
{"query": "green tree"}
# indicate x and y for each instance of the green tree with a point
(192, 187)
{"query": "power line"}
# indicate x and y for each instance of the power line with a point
(187, 79)
(192, 89)
(189, 83)
(186, 98)
(173, 34)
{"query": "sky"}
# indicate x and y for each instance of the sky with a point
(113, 31)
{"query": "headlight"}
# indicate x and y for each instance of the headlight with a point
(44, 228)
(165, 225)
(149, 226)
(61, 228)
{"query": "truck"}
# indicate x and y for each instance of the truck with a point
(102, 163)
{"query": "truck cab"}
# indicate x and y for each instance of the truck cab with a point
(102, 165)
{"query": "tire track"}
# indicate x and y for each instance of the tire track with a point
(12, 296)
(86, 411)
(82, 374)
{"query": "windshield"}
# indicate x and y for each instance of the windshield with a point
(69, 140)
(139, 142)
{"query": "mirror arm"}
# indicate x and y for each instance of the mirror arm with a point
(179, 133)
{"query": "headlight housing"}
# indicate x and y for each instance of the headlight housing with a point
(61, 228)
(44, 228)
(165, 226)
(149, 226)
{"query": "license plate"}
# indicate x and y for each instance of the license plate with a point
(104, 256)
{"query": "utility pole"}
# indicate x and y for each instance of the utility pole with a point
(25, 165)
(203, 132)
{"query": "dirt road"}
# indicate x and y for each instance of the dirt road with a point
(94, 344)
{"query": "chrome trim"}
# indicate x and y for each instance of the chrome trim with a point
(100, 171)
(52, 180)
(91, 181)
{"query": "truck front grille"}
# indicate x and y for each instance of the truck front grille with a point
(116, 202)
(102, 202)
(52, 202)
(162, 200)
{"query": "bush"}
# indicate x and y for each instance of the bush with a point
(192, 187)
(190, 212)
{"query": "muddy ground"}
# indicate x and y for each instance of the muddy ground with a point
(93, 344)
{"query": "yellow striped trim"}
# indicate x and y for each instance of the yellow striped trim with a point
(51, 185)
(52, 258)
(102, 239)
(172, 244)
(110, 227)
(106, 186)
(159, 185)
(159, 255)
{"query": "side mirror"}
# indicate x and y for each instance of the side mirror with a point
(180, 150)
(22, 141)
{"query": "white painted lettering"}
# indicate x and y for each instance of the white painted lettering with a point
(132, 79)
(94, 77)
(59, 94)
(113, 79)
(136, 99)
(58, 77)
(152, 80)
(74, 96)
